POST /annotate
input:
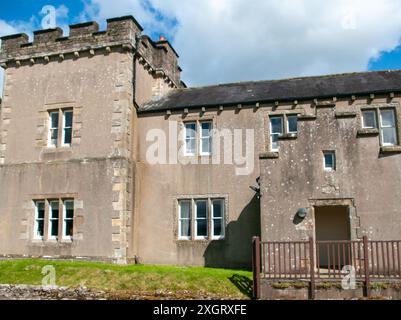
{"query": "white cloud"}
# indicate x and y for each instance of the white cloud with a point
(233, 40)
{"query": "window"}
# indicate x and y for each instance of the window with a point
(39, 220)
(53, 128)
(388, 132)
(207, 222)
(329, 160)
(60, 129)
(67, 125)
(53, 219)
(68, 222)
(184, 224)
(198, 138)
(201, 219)
(292, 124)
(190, 138)
(206, 138)
(369, 119)
(59, 213)
(218, 219)
(277, 128)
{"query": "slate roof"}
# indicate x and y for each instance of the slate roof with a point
(305, 88)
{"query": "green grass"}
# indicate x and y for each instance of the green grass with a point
(134, 278)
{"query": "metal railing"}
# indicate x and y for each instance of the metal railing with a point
(325, 261)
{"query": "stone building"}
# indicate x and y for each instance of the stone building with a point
(106, 155)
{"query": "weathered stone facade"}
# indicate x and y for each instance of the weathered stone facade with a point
(91, 73)
(121, 86)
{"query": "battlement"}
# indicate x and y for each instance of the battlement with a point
(122, 32)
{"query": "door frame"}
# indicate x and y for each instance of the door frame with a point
(354, 220)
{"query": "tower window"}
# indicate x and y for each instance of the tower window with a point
(329, 160)
(60, 128)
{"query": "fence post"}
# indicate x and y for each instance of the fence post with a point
(256, 267)
(312, 267)
(366, 265)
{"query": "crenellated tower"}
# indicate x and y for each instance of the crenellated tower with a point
(68, 133)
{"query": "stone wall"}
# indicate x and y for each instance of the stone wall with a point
(366, 179)
(95, 170)
(26, 292)
(292, 290)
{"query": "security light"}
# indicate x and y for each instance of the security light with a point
(302, 212)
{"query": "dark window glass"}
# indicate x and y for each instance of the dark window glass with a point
(68, 118)
(217, 227)
(41, 228)
(292, 124)
(202, 228)
(54, 217)
(67, 135)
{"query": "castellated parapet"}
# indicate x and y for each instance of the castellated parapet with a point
(123, 33)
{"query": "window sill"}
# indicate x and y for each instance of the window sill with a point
(269, 155)
(52, 242)
(66, 241)
(368, 132)
(199, 241)
(57, 149)
(390, 149)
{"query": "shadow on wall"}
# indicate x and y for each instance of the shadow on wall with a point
(236, 250)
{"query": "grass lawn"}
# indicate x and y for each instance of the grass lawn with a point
(135, 278)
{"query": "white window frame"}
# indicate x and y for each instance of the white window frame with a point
(37, 219)
(201, 138)
(65, 127)
(374, 116)
(180, 219)
(222, 218)
(186, 153)
(274, 134)
(288, 123)
(51, 129)
(50, 236)
(197, 219)
(65, 219)
(392, 127)
(333, 157)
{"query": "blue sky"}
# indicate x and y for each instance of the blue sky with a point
(232, 40)
(25, 9)
(387, 60)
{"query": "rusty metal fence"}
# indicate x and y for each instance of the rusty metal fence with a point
(314, 261)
